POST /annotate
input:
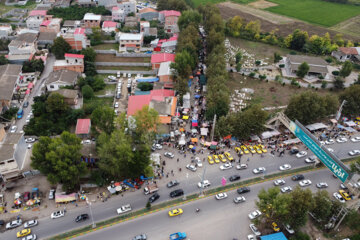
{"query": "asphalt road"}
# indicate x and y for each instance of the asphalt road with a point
(218, 219)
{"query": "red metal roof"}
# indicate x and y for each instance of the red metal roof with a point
(37, 13)
(70, 55)
(45, 23)
(79, 31)
(83, 126)
(145, 10)
(168, 13)
(162, 57)
(109, 24)
(349, 50)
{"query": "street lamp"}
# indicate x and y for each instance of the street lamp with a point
(92, 218)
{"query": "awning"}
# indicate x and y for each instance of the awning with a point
(197, 96)
(207, 144)
(185, 117)
(194, 140)
(27, 91)
(214, 143)
(269, 134)
(350, 124)
(333, 121)
(292, 141)
(194, 131)
(30, 85)
(147, 80)
(340, 126)
(194, 124)
(213, 147)
(350, 129)
(59, 198)
(204, 131)
(316, 126)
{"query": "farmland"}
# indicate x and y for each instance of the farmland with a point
(315, 11)
(199, 2)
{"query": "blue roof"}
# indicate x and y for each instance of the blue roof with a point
(147, 80)
(142, 93)
(275, 236)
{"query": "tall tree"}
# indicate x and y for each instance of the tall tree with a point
(298, 40)
(300, 203)
(352, 97)
(189, 17)
(3, 60)
(60, 47)
(234, 26)
(147, 121)
(89, 54)
(322, 205)
(102, 119)
(346, 69)
(303, 69)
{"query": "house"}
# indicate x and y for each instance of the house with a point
(128, 6)
(51, 25)
(86, 3)
(130, 41)
(62, 78)
(9, 76)
(12, 156)
(91, 20)
(83, 127)
(169, 46)
(107, 3)
(36, 17)
(347, 53)
(170, 19)
(76, 38)
(317, 66)
(5, 31)
(71, 96)
(117, 14)
(145, 28)
(25, 84)
(109, 26)
(131, 22)
(157, 59)
(22, 48)
(165, 73)
(71, 24)
(72, 62)
(46, 39)
(148, 14)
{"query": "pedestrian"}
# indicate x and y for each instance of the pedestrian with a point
(177, 160)
(248, 159)
(167, 175)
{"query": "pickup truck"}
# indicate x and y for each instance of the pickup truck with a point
(124, 209)
(151, 188)
(178, 236)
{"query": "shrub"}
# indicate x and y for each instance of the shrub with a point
(329, 59)
(323, 84)
(335, 73)
(277, 78)
(292, 52)
(145, 86)
(252, 74)
(281, 65)
(87, 92)
(321, 77)
(257, 62)
(283, 84)
(238, 67)
(262, 77)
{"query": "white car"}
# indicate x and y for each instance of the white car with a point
(322, 185)
(129, 75)
(158, 146)
(286, 189)
(116, 105)
(14, 224)
(341, 140)
(254, 214)
(191, 167)
(285, 167)
(241, 166)
(279, 182)
(29, 146)
(311, 159)
(13, 129)
(30, 237)
(354, 152)
(57, 214)
(329, 141)
(301, 154)
(239, 199)
(255, 230)
(289, 229)
(330, 150)
(112, 77)
(355, 139)
(305, 183)
(205, 183)
(198, 162)
(30, 223)
(251, 237)
(30, 140)
(86, 142)
(221, 196)
(259, 170)
(338, 197)
(226, 166)
(169, 154)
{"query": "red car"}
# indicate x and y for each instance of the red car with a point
(26, 196)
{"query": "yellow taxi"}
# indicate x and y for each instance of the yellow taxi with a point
(257, 149)
(216, 158)
(238, 150)
(222, 158)
(245, 150)
(275, 227)
(175, 212)
(210, 160)
(345, 195)
(263, 148)
(251, 149)
(229, 157)
(23, 232)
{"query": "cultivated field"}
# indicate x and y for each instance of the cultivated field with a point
(315, 11)
(199, 2)
(350, 26)
(113, 58)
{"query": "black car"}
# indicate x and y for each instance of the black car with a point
(243, 190)
(172, 183)
(234, 178)
(140, 237)
(177, 193)
(81, 217)
(2, 222)
(294, 151)
(298, 177)
(154, 197)
(26, 104)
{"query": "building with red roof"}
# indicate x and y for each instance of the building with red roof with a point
(72, 62)
(170, 19)
(38, 13)
(51, 24)
(109, 26)
(347, 53)
(158, 58)
(76, 38)
(83, 127)
(35, 18)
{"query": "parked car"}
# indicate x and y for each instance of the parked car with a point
(13, 129)
(140, 237)
(52, 194)
(355, 139)
(322, 185)
(241, 166)
(301, 154)
(338, 197)
(198, 162)
(169, 155)
(234, 178)
(259, 170)
(279, 182)
(204, 184)
(254, 214)
(191, 167)
(289, 229)
(255, 230)
(177, 193)
(82, 217)
(305, 183)
(30, 223)
(286, 189)
(172, 183)
(30, 140)
(154, 197)
(30, 237)
(14, 224)
(311, 159)
(354, 152)
(57, 214)
(23, 232)
(239, 199)
(243, 190)
(226, 166)
(26, 104)
(298, 177)
(221, 196)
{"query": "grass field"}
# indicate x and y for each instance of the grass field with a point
(106, 46)
(199, 2)
(315, 11)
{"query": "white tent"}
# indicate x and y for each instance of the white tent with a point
(316, 126)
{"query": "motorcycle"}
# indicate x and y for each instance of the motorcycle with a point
(197, 210)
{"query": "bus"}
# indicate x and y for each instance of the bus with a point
(20, 113)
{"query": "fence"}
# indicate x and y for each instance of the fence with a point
(109, 41)
(117, 54)
(122, 64)
(152, 72)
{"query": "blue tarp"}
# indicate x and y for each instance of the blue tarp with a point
(197, 96)
(340, 126)
(147, 80)
(194, 121)
(275, 236)
(142, 93)
(189, 83)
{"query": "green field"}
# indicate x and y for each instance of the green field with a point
(199, 2)
(315, 11)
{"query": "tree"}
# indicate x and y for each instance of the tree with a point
(87, 92)
(238, 57)
(322, 205)
(59, 159)
(90, 69)
(102, 119)
(178, 5)
(3, 60)
(299, 205)
(145, 86)
(303, 69)
(234, 26)
(352, 97)
(89, 54)
(298, 40)
(189, 17)
(96, 37)
(339, 83)
(76, 12)
(277, 57)
(35, 65)
(300, 236)
(358, 80)
(253, 29)
(147, 121)
(346, 69)
(184, 64)
(60, 47)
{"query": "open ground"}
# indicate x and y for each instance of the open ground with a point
(113, 58)
(350, 26)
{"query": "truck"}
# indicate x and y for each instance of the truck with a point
(178, 236)
(151, 188)
(124, 209)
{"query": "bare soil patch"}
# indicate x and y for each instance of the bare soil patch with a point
(262, 4)
(350, 26)
(113, 58)
(283, 25)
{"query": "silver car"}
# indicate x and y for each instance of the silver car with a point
(255, 230)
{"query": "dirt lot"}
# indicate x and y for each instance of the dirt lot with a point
(268, 21)
(262, 4)
(113, 58)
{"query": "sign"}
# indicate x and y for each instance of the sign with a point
(223, 181)
(337, 167)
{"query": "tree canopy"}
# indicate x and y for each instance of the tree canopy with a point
(178, 5)
(346, 69)
(60, 47)
(352, 97)
(102, 119)
(302, 70)
(76, 12)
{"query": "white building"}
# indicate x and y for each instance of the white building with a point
(130, 41)
(36, 17)
(347, 53)
(5, 31)
(22, 48)
(62, 78)
(117, 14)
(128, 6)
(144, 27)
(109, 26)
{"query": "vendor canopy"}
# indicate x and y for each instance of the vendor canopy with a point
(269, 134)
(316, 126)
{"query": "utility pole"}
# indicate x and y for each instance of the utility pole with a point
(92, 218)
(202, 183)
(338, 114)
(213, 129)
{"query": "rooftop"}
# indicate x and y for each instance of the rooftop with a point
(23, 38)
(71, 55)
(146, 10)
(66, 76)
(109, 24)
(47, 36)
(299, 59)
(349, 50)
(168, 13)
(8, 75)
(37, 13)
(131, 36)
(162, 57)
(165, 69)
(91, 16)
(83, 126)
(68, 93)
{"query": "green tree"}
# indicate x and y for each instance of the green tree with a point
(89, 54)
(60, 47)
(322, 205)
(346, 69)
(96, 37)
(338, 83)
(76, 12)
(184, 64)
(90, 69)
(3, 60)
(238, 57)
(55, 103)
(352, 218)
(59, 159)
(189, 17)
(87, 92)
(35, 65)
(145, 86)
(178, 5)
(298, 40)
(224, 127)
(352, 97)
(299, 205)
(147, 122)
(102, 119)
(234, 26)
(303, 69)
(277, 57)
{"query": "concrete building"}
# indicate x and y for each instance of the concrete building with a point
(128, 6)
(86, 3)
(148, 14)
(109, 26)
(170, 19)
(347, 53)
(71, 96)
(91, 20)
(71, 24)
(46, 39)
(72, 62)
(9, 76)
(131, 22)
(317, 65)
(5, 31)
(76, 38)
(62, 78)
(157, 59)
(130, 41)
(145, 28)
(165, 73)
(83, 127)
(117, 14)
(36, 17)
(51, 25)
(107, 3)
(22, 48)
